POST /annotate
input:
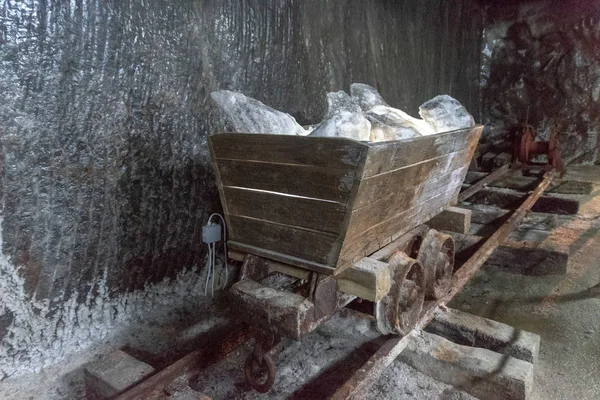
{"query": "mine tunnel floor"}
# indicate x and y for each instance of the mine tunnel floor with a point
(559, 308)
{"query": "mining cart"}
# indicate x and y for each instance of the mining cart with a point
(341, 219)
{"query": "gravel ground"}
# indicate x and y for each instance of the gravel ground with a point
(315, 367)
(158, 340)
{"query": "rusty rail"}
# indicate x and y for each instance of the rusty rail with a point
(364, 377)
(155, 385)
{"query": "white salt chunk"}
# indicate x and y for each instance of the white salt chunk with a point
(248, 115)
(340, 101)
(445, 113)
(366, 96)
(404, 125)
(387, 123)
(344, 124)
(384, 130)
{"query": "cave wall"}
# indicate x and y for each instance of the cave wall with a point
(541, 66)
(105, 179)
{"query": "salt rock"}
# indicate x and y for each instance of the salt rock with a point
(248, 115)
(445, 113)
(366, 96)
(340, 101)
(383, 130)
(395, 117)
(344, 124)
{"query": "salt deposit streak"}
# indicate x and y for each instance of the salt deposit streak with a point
(39, 337)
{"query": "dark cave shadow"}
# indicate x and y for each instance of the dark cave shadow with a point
(324, 385)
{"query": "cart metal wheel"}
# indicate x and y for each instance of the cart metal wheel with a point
(255, 371)
(398, 312)
(437, 256)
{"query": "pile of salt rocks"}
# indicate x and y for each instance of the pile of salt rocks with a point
(362, 115)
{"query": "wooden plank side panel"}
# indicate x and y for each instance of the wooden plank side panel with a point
(385, 186)
(387, 157)
(380, 235)
(406, 198)
(301, 180)
(309, 245)
(340, 153)
(474, 141)
(324, 216)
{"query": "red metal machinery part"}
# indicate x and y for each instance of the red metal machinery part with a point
(526, 148)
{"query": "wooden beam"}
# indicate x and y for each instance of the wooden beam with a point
(368, 279)
(475, 331)
(482, 373)
(527, 183)
(506, 198)
(453, 219)
(583, 173)
(501, 160)
(482, 183)
(287, 269)
(487, 160)
(491, 215)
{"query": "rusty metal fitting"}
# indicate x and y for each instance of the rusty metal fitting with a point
(525, 148)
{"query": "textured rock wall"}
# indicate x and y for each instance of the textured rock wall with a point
(104, 115)
(541, 65)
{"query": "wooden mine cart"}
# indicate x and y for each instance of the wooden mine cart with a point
(343, 217)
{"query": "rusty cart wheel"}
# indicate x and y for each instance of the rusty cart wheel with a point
(437, 256)
(398, 312)
(260, 374)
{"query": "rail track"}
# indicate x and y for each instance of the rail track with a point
(162, 383)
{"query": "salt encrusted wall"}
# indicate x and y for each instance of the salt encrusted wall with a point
(104, 114)
(541, 65)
